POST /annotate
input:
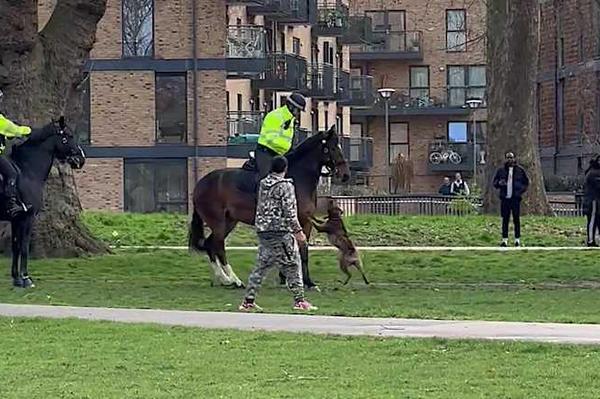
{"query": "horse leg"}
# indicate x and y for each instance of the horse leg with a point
(15, 228)
(308, 283)
(25, 247)
(222, 256)
(219, 275)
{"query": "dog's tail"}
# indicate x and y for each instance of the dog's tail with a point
(196, 234)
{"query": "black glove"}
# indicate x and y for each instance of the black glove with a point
(286, 124)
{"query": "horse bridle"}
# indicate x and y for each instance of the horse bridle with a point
(329, 164)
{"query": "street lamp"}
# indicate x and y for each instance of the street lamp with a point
(386, 94)
(473, 104)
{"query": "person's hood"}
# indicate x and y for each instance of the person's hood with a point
(272, 179)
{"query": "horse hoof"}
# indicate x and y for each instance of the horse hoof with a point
(17, 282)
(241, 286)
(314, 288)
(28, 283)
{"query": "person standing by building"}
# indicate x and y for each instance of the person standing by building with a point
(512, 182)
(445, 187)
(279, 233)
(459, 186)
(591, 189)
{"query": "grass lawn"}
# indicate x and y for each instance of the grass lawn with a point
(79, 359)
(166, 229)
(557, 286)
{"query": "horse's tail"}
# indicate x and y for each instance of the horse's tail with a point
(196, 234)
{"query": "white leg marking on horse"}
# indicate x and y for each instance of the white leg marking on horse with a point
(226, 279)
(232, 274)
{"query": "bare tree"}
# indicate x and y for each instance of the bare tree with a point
(512, 38)
(40, 72)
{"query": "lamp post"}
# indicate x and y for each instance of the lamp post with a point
(473, 104)
(386, 94)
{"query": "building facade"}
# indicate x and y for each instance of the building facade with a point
(433, 55)
(568, 87)
(177, 88)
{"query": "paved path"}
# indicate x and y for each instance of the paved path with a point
(489, 330)
(387, 248)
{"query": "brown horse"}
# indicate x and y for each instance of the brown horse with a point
(225, 197)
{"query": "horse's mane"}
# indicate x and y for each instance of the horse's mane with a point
(39, 134)
(304, 147)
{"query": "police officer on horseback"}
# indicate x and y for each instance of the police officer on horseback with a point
(277, 132)
(8, 131)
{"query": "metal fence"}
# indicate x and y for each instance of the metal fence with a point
(431, 205)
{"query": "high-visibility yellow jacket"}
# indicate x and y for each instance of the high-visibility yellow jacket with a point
(277, 131)
(10, 130)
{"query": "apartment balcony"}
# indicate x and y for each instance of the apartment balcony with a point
(359, 30)
(389, 46)
(321, 83)
(332, 19)
(414, 101)
(244, 123)
(246, 50)
(284, 72)
(342, 86)
(301, 12)
(360, 92)
(272, 9)
(444, 156)
(358, 151)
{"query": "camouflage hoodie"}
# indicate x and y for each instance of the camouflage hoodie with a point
(276, 210)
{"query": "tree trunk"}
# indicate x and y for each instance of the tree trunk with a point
(39, 73)
(512, 67)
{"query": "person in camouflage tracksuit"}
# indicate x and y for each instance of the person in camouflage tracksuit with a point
(279, 232)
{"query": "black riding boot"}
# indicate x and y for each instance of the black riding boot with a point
(13, 205)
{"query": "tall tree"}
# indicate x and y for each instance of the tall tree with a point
(512, 52)
(39, 73)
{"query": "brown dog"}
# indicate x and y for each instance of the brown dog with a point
(338, 237)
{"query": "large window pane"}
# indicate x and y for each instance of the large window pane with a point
(399, 142)
(457, 132)
(419, 77)
(457, 41)
(171, 108)
(156, 185)
(138, 28)
(457, 97)
(396, 21)
(456, 76)
(377, 20)
(477, 76)
(139, 187)
(456, 20)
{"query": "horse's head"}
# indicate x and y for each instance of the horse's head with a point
(66, 148)
(333, 156)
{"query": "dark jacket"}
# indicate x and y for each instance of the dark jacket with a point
(591, 186)
(520, 181)
(445, 189)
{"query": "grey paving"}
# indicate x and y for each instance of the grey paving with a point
(314, 324)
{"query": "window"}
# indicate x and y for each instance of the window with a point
(296, 45)
(419, 82)
(466, 82)
(156, 185)
(171, 108)
(82, 123)
(138, 28)
(561, 110)
(462, 132)
(240, 105)
(384, 21)
(456, 30)
(398, 140)
(355, 141)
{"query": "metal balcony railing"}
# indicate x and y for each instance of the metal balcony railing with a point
(332, 19)
(244, 122)
(321, 84)
(246, 42)
(284, 72)
(390, 45)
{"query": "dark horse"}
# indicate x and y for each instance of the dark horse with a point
(225, 197)
(34, 158)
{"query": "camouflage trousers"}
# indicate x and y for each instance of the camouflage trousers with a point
(279, 251)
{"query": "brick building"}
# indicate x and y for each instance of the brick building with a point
(433, 54)
(568, 89)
